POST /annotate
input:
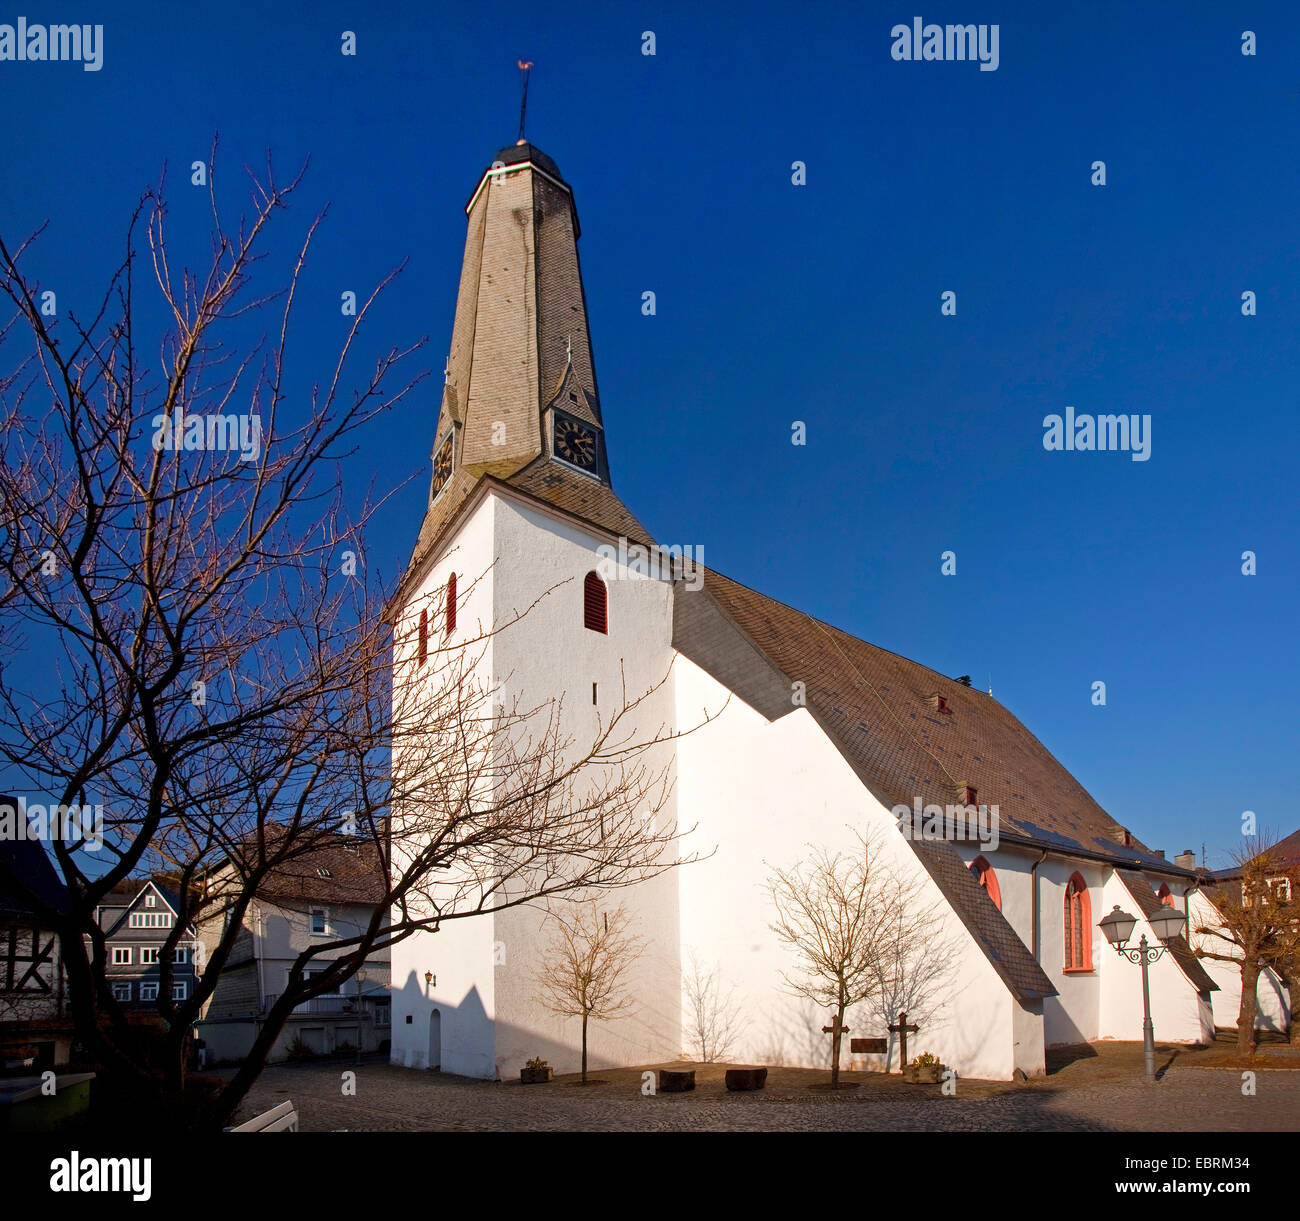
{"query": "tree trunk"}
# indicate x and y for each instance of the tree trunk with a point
(584, 1049)
(1292, 988)
(835, 1049)
(1249, 1005)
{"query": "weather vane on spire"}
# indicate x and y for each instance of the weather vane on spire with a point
(525, 68)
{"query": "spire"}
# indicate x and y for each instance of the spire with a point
(519, 384)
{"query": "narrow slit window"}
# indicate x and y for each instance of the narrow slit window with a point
(424, 637)
(451, 605)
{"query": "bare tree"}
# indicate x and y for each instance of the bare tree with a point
(713, 1025)
(839, 913)
(583, 971)
(195, 647)
(1252, 920)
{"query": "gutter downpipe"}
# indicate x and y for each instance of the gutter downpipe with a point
(1033, 910)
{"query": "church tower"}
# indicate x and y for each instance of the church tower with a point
(510, 556)
(520, 401)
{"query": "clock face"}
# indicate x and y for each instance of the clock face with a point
(576, 442)
(441, 466)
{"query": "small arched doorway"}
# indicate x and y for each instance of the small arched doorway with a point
(435, 1040)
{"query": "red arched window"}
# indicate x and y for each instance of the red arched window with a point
(1078, 926)
(451, 605)
(1165, 895)
(424, 637)
(595, 604)
(984, 875)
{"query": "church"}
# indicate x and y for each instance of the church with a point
(805, 736)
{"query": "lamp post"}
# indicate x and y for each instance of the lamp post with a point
(1166, 923)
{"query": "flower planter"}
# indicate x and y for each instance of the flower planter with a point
(924, 1074)
(535, 1076)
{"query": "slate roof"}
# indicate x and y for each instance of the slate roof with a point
(28, 859)
(341, 869)
(880, 710)
(1179, 951)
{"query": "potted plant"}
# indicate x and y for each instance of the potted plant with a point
(535, 1071)
(925, 1069)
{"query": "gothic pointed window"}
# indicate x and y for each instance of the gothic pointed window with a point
(1078, 926)
(451, 605)
(424, 637)
(595, 604)
(1166, 896)
(983, 873)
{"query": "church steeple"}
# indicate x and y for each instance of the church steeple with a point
(520, 402)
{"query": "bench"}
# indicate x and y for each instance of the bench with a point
(281, 1118)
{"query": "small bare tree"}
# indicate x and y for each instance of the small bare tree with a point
(583, 972)
(840, 913)
(713, 1026)
(1252, 923)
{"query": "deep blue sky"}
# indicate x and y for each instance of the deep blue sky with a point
(821, 303)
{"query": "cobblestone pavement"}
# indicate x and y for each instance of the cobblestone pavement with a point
(394, 1099)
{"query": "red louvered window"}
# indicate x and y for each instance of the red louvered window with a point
(451, 605)
(595, 604)
(1078, 926)
(1165, 895)
(424, 636)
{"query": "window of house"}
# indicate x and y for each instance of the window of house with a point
(320, 921)
(1280, 889)
(150, 920)
(122, 956)
(451, 605)
(148, 992)
(181, 955)
(1166, 896)
(983, 873)
(1078, 926)
(148, 955)
(595, 604)
(121, 992)
(180, 991)
(151, 900)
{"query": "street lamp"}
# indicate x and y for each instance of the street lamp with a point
(1166, 923)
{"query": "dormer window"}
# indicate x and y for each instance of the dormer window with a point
(322, 872)
(939, 704)
(151, 900)
(970, 795)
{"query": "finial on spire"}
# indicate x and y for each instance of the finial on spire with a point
(525, 68)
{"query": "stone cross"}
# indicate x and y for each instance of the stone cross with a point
(902, 1029)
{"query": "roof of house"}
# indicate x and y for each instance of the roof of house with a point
(341, 869)
(1286, 851)
(28, 859)
(1179, 950)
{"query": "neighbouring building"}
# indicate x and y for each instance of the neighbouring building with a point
(317, 897)
(812, 730)
(1273, 1011)
(137, 918)
(35, 1026)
